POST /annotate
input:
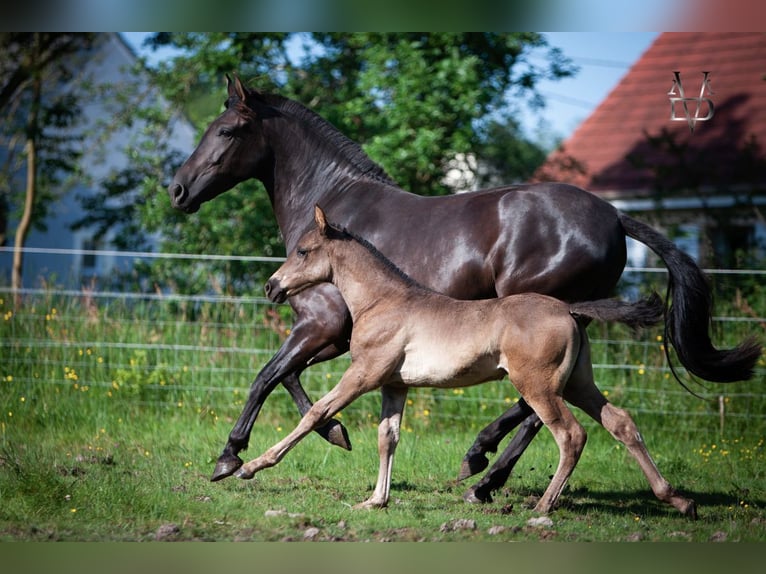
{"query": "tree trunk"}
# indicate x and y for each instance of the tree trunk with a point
(26, 221)
(3, 221)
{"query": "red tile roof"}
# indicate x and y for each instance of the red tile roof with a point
(611, 149)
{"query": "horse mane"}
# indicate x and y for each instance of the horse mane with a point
(347, 147)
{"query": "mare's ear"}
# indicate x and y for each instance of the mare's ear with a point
(235, 88)
(321, 220)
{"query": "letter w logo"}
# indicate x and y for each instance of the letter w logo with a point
(677, 89)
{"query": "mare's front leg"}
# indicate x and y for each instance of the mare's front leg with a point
(475, 460)
(344, 393)
(333, 432)
(323, 325)
(391, 411)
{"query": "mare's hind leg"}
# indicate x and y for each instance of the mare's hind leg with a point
(582, 392)
(501, 469)
(475, 459)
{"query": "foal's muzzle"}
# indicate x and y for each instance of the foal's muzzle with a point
(274, 291)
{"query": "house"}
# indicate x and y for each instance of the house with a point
(681, 142)
(60, 254)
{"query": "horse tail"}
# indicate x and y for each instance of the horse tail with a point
(642, 313)
(688, 313)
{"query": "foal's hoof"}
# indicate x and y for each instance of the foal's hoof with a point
(226, 466)
(691, 510)
(474, 496)
(335, 433)
(244, 474)
(370, 504)
(472, 464)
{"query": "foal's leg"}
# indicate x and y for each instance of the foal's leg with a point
(620, 424)
(570, 437)
(333, 432)
(292, 357)
(388, 437)
(582, 392)
(349, 388)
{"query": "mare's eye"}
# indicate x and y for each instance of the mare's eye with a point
(226, 133)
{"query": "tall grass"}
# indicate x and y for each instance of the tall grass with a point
(114, 410)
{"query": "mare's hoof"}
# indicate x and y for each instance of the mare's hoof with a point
(337, 434)
(691, 510)
(226, 466)
(472, 464)
(473, 496)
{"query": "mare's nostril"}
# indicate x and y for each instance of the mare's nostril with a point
(178, 193)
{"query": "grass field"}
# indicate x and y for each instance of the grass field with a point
(113, 415)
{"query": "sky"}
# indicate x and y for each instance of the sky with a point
(603, 59)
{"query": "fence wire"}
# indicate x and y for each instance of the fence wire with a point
(163, 350)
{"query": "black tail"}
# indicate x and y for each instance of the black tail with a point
(642, 313)
(687, 323)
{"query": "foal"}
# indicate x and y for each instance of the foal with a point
(408, 336)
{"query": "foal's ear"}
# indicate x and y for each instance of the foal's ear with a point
(321, 220)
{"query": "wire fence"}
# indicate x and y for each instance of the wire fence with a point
(169, 349)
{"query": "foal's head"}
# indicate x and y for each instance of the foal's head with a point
(308, 264)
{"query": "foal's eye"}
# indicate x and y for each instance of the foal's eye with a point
(301, 252)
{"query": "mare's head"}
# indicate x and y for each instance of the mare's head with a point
(308, 264)
(229, 152)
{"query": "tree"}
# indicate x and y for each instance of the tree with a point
(38, 106)
(507, 157)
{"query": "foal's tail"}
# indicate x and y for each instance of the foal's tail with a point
(688, 314)
(643, 313)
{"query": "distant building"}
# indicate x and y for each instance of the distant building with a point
(700, 176)
(111, 60)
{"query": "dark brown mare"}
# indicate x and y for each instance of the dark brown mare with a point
(548, 238)
(406, 335)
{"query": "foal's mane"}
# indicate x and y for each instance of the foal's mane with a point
(335, 139)
(347, 235)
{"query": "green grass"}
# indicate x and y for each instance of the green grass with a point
(113, 415)
(126, 482)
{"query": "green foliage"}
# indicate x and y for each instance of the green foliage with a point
(506, 155)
